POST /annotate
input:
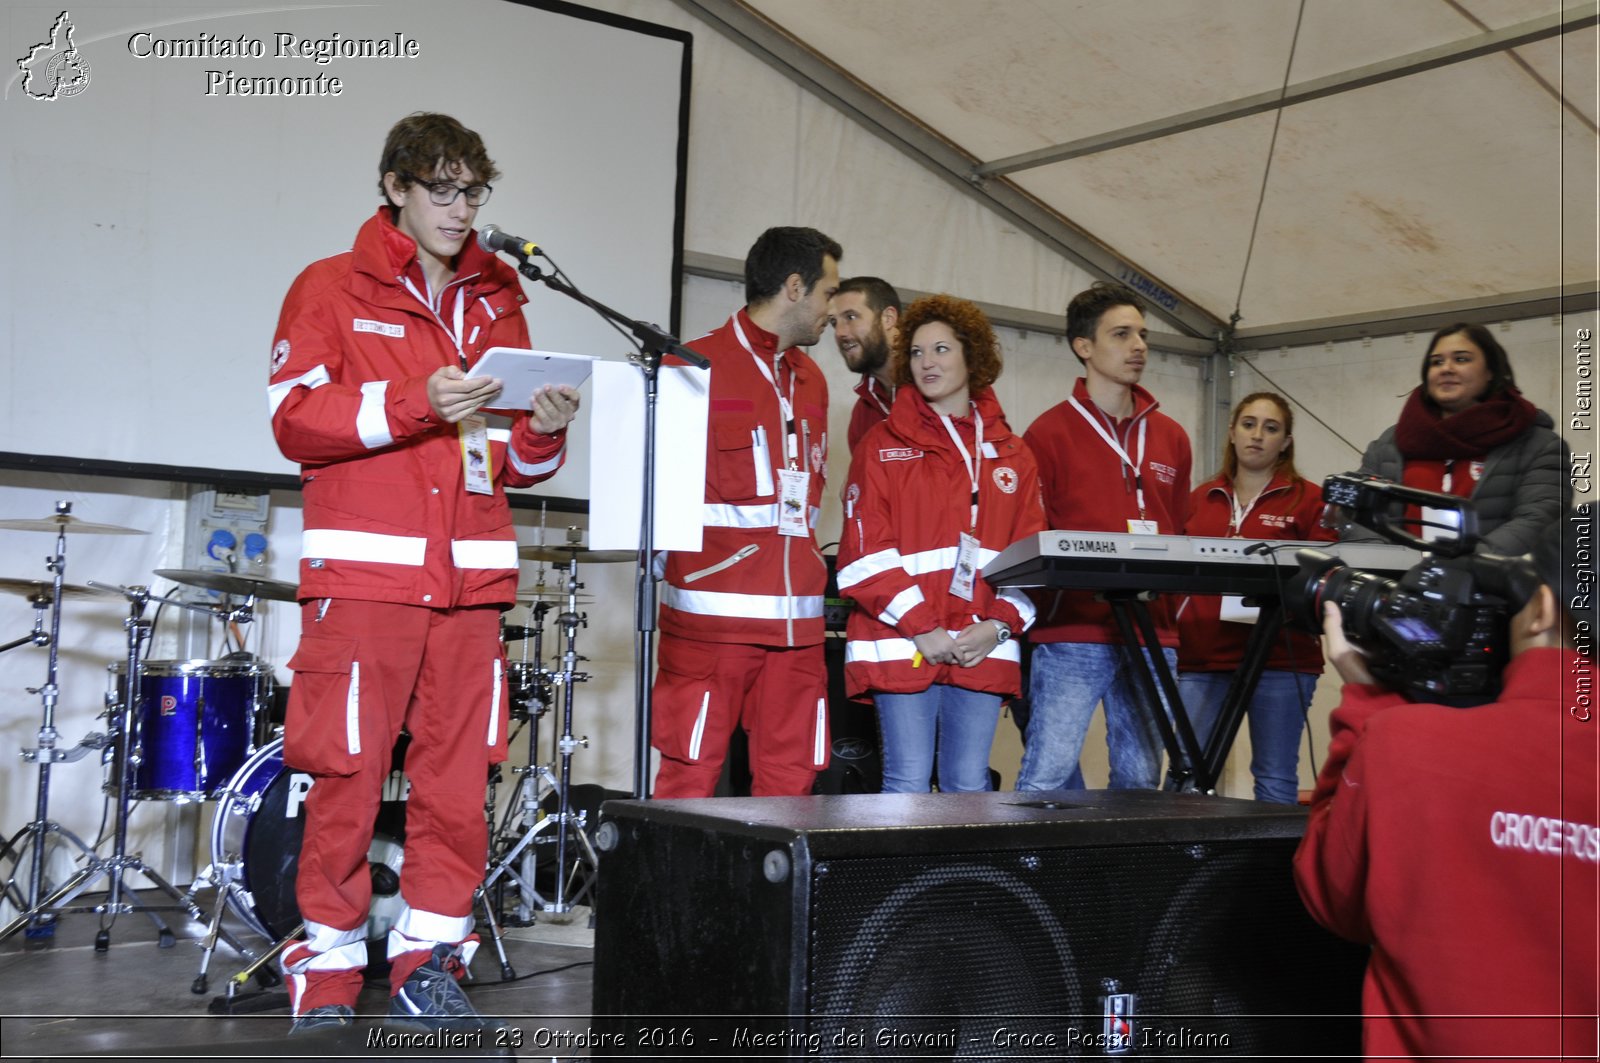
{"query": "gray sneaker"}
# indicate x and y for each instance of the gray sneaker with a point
(431, 999)
(326, 1017)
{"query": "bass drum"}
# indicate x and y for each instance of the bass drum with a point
(258, 829)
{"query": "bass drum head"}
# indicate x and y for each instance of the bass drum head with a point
(260, 827)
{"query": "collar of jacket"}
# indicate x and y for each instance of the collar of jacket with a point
(914, 421)
(384, 255)
(1143, 402)
(1279, 482)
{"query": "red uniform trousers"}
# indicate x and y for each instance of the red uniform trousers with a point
(363, 671)
(704, 690)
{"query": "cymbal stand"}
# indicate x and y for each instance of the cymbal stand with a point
(120, 863)
(534, 780)
(39, 917)
(514, 864)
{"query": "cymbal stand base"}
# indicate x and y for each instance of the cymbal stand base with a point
(227, 879)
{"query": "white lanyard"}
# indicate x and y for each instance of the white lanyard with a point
(1240, 513)
(791, 443)
(974, 464)
(1449, 476)
(872, 392)
(454, 334)
(1110, 440)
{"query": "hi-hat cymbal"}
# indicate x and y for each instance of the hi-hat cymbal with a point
(563, 554)
(67, 522)
(242, 584)
(45, 591)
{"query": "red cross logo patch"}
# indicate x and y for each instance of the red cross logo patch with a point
(1005, 478)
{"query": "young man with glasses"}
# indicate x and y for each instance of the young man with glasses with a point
(408, 556)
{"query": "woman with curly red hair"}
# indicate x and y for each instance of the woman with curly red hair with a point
(934, 493)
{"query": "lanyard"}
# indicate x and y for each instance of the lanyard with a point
(1241, 512)
(454, 334)
(974, 464)
(1110, 441)
(791, 444)
(872, 393)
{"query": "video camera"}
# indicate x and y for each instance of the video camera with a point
(1440, 632)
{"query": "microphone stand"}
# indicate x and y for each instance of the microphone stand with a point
(654, 344)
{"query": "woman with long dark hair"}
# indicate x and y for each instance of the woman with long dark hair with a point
(1468, 431)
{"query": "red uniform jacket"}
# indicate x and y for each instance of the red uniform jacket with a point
(387, 516)
(1464, 845)
(1284, 510)
(749, 584)
(1088, 488)
(906, 506)
(871, 409)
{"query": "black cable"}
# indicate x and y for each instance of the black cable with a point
(1271, 550)
(525, 977)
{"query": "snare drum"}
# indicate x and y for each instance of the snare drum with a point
(193, 727)
(258, 829)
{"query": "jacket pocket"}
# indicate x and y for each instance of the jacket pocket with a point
(322, 728)
(734, 455)
(726, 563)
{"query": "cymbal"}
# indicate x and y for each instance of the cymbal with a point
(67, 522)
(44, 590)
(272, 590)
(563, 554)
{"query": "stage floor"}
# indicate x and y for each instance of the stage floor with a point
(135, 999)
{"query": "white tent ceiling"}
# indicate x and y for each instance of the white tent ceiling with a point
(1436, 157)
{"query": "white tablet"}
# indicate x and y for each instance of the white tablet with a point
(523, 372)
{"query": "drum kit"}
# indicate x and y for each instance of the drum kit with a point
(202, 730)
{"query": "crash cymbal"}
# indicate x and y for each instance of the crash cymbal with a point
(272, 590)
(67, 522)
(43, 590)
(563, 554)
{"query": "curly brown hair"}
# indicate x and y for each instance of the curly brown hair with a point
(971, 326)
(420, 143)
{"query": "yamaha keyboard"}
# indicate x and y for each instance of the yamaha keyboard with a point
(1180, 564)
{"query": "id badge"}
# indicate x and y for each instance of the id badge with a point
(1234, 609)
(966, 571)
(475, 473)
(793, 488)
(1143, 527)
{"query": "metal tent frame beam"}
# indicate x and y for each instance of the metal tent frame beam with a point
(814, 72)
(1576, 17)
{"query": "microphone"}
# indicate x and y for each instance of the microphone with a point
(492, 238)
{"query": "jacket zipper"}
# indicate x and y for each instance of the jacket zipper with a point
(727, 562)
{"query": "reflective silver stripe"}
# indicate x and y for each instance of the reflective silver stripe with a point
(885, 651)
(699, 730)
(332, 544)
(421, 925)
(500, 435)
(819, 744)
(313, 378)
(927, 562)
(764, 515)
(352, 711)
(722, 515)
(863, 568)
(372, 422)
(494, 706)
(1024, 605)
(901, 604)
(484, 553)
(322, 938)
(538, 468)
(747, 606)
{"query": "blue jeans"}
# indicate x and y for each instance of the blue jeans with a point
(961, 721)
(1277, 715)
(1067, 681)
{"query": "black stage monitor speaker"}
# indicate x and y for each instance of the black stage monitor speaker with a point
(1008, 926)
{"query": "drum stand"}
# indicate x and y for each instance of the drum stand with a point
(518, 863)
(40, 914)
(120, 863)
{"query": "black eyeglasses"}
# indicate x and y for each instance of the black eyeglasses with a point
(444, 193)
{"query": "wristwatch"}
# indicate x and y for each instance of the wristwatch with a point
(1003, 629)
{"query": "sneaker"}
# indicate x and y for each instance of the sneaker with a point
(431, 999)
(326, 1017)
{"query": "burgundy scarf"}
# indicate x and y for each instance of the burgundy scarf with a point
(1424, 433)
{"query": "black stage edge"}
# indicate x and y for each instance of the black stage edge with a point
(998, 925)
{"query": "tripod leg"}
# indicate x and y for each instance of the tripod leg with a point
(507, 972)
